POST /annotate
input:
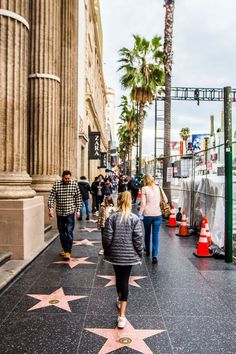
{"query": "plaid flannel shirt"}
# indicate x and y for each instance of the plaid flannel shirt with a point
(66, 196)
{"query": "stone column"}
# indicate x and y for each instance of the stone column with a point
(14, 34)
(44, 93)
(21, 214)
(69, 62)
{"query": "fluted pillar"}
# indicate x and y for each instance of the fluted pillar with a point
(14, 35)
(44, 93)
(68, 122)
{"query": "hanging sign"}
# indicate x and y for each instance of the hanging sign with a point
(103, 160)
(181, 147)
(94, 146)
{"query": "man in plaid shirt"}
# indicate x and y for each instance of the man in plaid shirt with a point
(66, 194)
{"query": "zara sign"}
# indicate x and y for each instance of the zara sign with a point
(94, 146)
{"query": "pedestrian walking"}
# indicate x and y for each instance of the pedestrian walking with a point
(106, 209)
(133, 187)
(99, 190)
(122, 184)
(66, 195)
(94, 194)
(85, 188)
(151, 212)
(107, 188)
(123, 244)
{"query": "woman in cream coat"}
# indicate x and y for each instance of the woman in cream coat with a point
(151, 212)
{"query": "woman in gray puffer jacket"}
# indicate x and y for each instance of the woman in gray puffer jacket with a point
(123, 244)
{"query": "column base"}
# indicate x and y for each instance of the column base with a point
(22, 226)
(15, 186)
(42, 183)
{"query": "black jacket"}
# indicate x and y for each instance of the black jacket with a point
(122, 186)
(84, 189)
(95, 188)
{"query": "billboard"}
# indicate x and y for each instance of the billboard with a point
(198, 142)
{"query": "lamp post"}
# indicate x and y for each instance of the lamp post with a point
(228, 175)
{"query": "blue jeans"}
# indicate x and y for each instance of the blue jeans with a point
(65, 226)
(87, 208)
(152, 224)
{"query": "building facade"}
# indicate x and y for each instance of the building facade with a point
(93, 90)
(52, 95)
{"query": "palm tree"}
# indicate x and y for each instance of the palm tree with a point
(185, 134)
(142, 74)
(169, 20)
(128, 127)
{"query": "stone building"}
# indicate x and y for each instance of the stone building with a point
(52, 95)
(92, 89)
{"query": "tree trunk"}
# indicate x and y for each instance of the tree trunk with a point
(169, 18)
(167, 135)
(129, 169)
(140, 128)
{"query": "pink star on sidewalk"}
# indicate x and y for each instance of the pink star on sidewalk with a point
(73, 262)
(89, 229)
(127, 337)
(57, 298)
(112, 278)
(85, 242)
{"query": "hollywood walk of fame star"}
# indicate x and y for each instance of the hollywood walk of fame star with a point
(85, 242)
(112, 278)
(57, 298)
(73, 262)
(127, 337)
(89, 229)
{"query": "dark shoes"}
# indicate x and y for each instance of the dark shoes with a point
(154, 260)
(87, 218)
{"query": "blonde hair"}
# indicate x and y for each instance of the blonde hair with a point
(124, 204)
(148, 180)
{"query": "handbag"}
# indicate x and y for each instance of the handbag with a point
(165, 207)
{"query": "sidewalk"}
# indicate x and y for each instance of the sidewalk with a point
(183, 305)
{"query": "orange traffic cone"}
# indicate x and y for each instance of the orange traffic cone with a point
(208, 235)
(172, 218)
(202, 246)
(183, 230)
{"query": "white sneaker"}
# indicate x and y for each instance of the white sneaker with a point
(101, 252)
(118, 303)
(121, 322)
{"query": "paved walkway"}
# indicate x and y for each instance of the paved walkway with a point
(183, 305)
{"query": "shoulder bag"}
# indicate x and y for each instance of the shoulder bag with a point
(165, 207)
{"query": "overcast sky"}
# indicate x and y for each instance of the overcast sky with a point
(204, 46)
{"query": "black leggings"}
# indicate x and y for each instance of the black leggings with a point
(122, 281)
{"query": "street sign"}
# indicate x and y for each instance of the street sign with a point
(169, 175)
